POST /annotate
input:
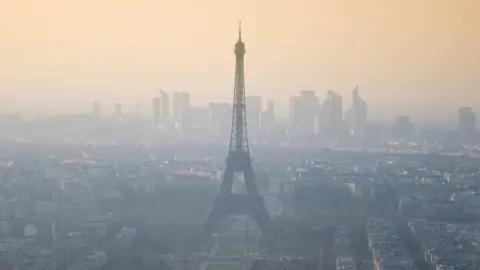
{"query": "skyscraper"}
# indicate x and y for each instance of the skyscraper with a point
(254, 111)
(195, 124)
(117, 112)
(294, 113)
(303, 113)
(309, 108)
(117, 109)
(403, 128)
(181, 102)
(156, 106)
(268, 118)
(138, 108)
(295, 118)
(181, 106)
(359, 113)
(96, 109)
(336, 110)
(331, 115)
(165, 107)
(220, 116)
(466, 123)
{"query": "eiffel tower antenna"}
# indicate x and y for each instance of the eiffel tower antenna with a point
(240, 30)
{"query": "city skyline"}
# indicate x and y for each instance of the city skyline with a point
(143, 163)
(133, 49)
(148, 109)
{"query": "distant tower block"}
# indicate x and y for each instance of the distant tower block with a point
(156, 111)
(96, 109)
(238, 160)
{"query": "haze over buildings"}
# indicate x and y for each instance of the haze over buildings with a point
(60, 56)
(139, 185)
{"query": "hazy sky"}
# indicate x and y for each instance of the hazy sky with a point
(63, 54)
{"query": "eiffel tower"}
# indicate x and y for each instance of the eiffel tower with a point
(239, 161)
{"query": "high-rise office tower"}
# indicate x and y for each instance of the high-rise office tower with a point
(336, 109)
(271, 107)
(295, 129)
(350, 120)
(117, 109)
(220, 116)
(268, 118)
(466, 123)
(359, 113)
(403, 128)
(195, 124)
(294, 113)
(117, 112)
(181, 103)
(156, 117)
(303, 114)
(331, 115)
(165, 107)
(96, 109)
(138, 108)
(254, 111)
(309, 108)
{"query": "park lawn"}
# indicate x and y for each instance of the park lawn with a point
(219, 266)
(232, 249)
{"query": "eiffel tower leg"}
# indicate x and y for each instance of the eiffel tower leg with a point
(218, 212)
(250, 184)
(263, 219)
(227, 182)
(260, 215)
(214, 219)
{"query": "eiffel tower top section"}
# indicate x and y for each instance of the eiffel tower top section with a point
(240, 46)
(238, 137)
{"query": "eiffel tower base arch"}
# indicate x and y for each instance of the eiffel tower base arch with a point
(240, 204)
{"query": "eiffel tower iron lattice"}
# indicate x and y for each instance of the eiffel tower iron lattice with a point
(239, 161)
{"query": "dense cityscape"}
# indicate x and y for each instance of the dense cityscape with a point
(324, 189)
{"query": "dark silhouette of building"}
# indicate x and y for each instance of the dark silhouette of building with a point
(239, 161)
